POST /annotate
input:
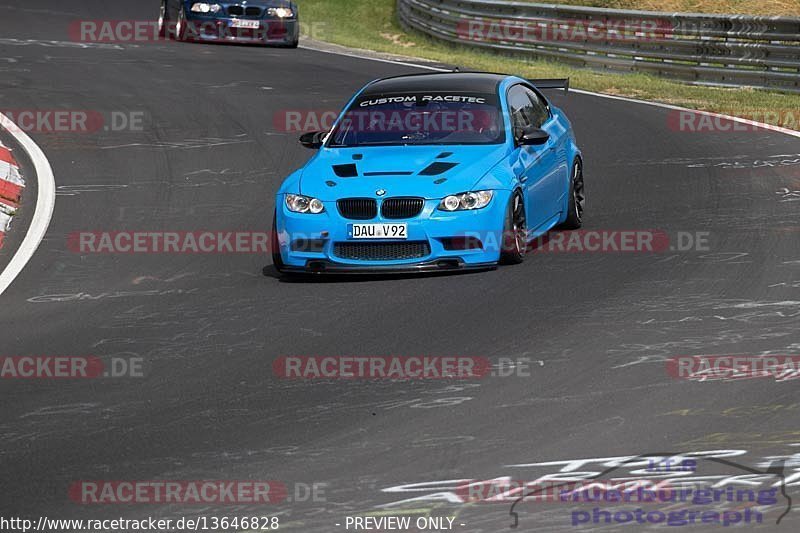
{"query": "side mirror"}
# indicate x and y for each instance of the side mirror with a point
(533, 136)
(313, 140)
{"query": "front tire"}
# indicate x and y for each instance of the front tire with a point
(275, 244)
(180, 26)
(515, 232)
(577, 198)
(295, 42)
(163, 20)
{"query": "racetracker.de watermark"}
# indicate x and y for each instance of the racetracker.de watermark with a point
(401, 367)
(734, 367)
(565, 30)
(612, 241)
(382, 121)
(205, 492)
(79, 121)
(381, 367)
(131, 31)
(733, 120)
(69, 367)
(169, 242)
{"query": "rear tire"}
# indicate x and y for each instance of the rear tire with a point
(515, 232)
(577, 198)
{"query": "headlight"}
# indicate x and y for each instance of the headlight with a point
(467, 201)
(304, 204)
(280, 12)
(205, 8)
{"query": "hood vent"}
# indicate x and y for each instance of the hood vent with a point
(346, 171)
(434, 169)
(397, 173)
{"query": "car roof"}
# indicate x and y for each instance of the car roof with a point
(476, 82)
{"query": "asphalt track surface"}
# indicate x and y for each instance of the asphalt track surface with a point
(597, 327)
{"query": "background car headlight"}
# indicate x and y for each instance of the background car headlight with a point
(280, 12)
(467, 201)
(303, 204)
(202, 7)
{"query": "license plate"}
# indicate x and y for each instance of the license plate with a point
(251, 24)
(377, 231)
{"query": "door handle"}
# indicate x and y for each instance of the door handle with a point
(523, 179)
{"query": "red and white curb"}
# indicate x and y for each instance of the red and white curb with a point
(11, 187)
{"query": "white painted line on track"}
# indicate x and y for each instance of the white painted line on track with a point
(45, 203)
(378, 59)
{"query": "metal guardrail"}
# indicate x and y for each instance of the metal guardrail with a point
(709, 49)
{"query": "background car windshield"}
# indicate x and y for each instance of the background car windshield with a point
(420, 119)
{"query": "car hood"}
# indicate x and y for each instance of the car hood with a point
(425, 171)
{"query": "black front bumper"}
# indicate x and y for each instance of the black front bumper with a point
(322, 266)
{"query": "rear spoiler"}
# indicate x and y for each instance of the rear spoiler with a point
(551, 84)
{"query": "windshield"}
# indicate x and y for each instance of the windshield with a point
(420, 119)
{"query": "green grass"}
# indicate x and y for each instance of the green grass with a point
(738, 7)
(372, 25)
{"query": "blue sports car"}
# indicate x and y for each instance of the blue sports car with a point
(431, 172)
(240, 21)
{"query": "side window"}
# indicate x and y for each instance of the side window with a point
(541, 113)
(523, 112)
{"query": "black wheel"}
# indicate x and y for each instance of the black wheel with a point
(294, 43)
(277, 260)
(515, 232)
(577, 198)
(163, 20)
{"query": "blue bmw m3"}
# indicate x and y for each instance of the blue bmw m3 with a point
(431, 172)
